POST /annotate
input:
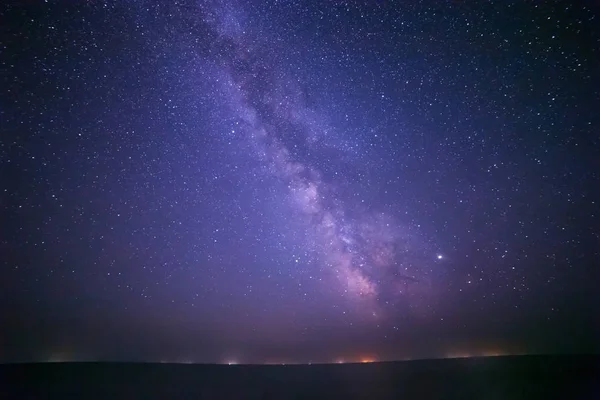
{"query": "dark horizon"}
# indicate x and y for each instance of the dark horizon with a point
(406, 361)
(130, 350)
(524, 377)
(298, 180)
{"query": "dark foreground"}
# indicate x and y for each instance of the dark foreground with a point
(519, 377)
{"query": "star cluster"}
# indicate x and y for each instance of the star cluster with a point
(295, 181)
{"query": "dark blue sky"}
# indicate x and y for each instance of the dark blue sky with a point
(297, 180)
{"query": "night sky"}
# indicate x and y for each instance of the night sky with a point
(298, 181)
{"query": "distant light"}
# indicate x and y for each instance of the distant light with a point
(367, 360)
(493, 353)
(57, 358)
(439, 256)
(231, 362)
(459, 355)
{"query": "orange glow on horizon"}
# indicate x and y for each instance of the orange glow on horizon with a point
(493, 353)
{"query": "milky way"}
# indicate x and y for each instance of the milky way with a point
(366, 251)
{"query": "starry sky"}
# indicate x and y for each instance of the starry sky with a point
(298, 180)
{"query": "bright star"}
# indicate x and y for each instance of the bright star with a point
(439, 257)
